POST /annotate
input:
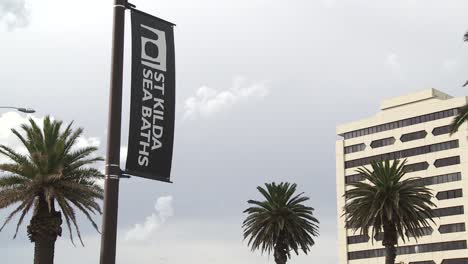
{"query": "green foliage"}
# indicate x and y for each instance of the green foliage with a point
(281, 218)
(385, 198)
(53, 169)
(458, 121)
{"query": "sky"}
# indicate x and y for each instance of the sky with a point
(261, 86)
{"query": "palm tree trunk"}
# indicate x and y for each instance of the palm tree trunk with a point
(43, 230)
(280, 251)
(390, 254)
(44, 251)
(389, 241)
(280, 255)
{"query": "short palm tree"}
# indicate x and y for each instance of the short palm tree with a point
(280, 223)
(53, 172)
(388, 204)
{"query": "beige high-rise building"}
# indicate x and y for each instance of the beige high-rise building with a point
(415, 127)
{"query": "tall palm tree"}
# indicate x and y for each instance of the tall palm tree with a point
(462, 115)
(280, 223)
(53, 172)
(388, 204)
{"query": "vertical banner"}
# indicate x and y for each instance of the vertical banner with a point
(152, 107)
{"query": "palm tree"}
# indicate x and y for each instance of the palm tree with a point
(280, 223)
(53, 171)
(388, 204)
(462, 115)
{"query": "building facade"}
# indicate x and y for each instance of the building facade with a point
(413, 127)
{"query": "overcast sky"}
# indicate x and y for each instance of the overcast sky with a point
(261, 86)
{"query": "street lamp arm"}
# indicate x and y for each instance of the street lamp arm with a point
(21, 109)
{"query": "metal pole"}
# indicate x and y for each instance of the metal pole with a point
(111, 187)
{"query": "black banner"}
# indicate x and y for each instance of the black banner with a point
(152, 108)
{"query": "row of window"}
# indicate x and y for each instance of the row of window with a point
(401, 123)
(455, 261)
(424, 231)
(382, 142)
(448, 211)
(416, 166)
(403, 250)
(439, 179)
(452, 228)
(391, 140)
(403, 153)
(450, 194)
(354, 148)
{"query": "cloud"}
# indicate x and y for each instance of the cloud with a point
(392, 61)
(14, 13)
(83, 142)
(208, 102)
(142, 232)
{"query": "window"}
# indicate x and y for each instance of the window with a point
(354, 178)
(423, 231)
(447, 161)
(358, 239)
(452, 228)
(450, 194)
(403, 250)
(448, 211)
(413, 136)
(455, 261)
(416, 167)
(382, 142)
(400, 123)
(404, 153)
(441, 130)
(422, 262)
(354, 148)
(450, 177)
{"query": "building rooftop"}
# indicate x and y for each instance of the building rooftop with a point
(427, 94)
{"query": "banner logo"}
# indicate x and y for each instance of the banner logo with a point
(153, 52)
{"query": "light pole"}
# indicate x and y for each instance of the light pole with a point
(20, 109)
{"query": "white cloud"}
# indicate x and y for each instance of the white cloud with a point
(392, 60)
(208, 101)
(14, 13)
(450, 65)
(142, 232)
(83, 142)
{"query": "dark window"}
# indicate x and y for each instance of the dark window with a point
(400, 123)
(413, 136)
(452, 228)
(423, 231)
(404, 153)
(403, 250)
(450, 194)
(416, 166)
(358, 239)
(382, 142)
(448, 211)
(447, 161)
(354, 178)
(422, 262)
(441, 130)
(354, 148)
(450, 177)
(455, 261)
